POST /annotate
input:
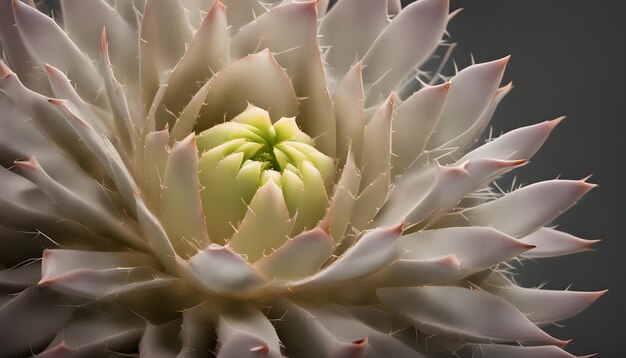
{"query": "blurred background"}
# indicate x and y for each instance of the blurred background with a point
(568, 58)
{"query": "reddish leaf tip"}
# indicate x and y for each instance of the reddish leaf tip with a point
(263, 349)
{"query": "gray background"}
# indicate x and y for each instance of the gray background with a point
(568, 58)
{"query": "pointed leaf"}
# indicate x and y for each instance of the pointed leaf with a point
(101, 274)
(205, 55)
(288, 262)
(349, 29)
(521, 143)
(459, 312)
(373, 252)
(221, 270)
(412, 36)
(524, 210)
(413, 124)
(349, 114)
(256, 79)
(181, 208)
(471, 92)
(266, 225)
(34, 315)
(550, 243)
(546, 306)
(47, 42)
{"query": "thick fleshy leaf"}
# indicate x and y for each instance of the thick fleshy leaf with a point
(376, 160)
(412, 36)
(348, 30)
(227, 189)
(343, 200)
(155, 153)
(525, 210)
(44, 115)
(161, 340)
(370, 201)
(346, 328)
(298, 52)
(266, 225)
(195, 11)
(168, 31)
(116, 94)
(472, 135)
(47, 42)
(550, 242)
(449, 186)
(474, 247)
(101, 274)
(84, 20)
(15, 51)
(349, 113)
(511, 351)
(100, 218)
(297, 321)
(156, 237)
(470, 93)
(241, 12)
(460, 312)
(219, 269)
(198, 331)
(245, 321)
(35, 316)
(63, 89)
(412, 272)
(256, 79)
(104, 151)
(288, 262)
(90, 335)
(373, 252)
(546, 306)
(20, 278)
(205, 55)
(305, 196)
(521, 143)
(413, 123)
(181, 207)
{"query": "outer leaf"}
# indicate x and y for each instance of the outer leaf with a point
(205, 55)
(550, 243)
(499, 350)
(288, 262)
(521, 143)
(248, 322)
(183, 218)
(56, 49)
(459, 312)
(35, 315)
(546, 306)
(100, 274)
(219, 269)
(413, 123)
(349, 29)
(412, 36)
(471, 92)
(373, 252)
(538, 203)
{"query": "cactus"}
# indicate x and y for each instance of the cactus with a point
(236, 178)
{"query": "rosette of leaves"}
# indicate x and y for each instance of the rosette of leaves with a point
(247, 179)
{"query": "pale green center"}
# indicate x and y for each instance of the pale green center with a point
(240, 156)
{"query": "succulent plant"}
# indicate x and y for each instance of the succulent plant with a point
(247, 179)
